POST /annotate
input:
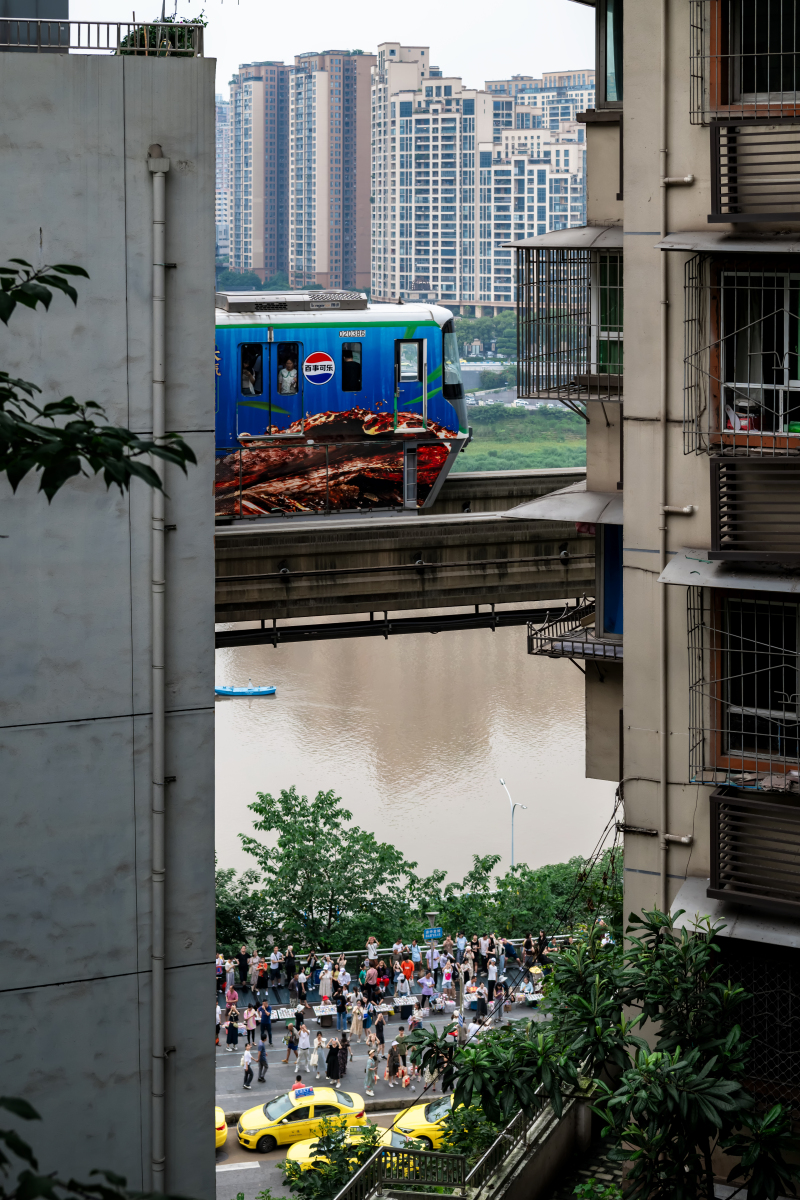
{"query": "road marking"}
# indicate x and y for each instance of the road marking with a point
(240, 1167)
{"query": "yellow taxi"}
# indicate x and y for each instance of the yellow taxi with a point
(296, 1116)
(220, 1127)
(424, 1121)
(303, 1152)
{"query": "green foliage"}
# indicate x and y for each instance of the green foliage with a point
(468, 1131)
(498, 379)
(593, 1189)
(327, 883)
(339, 1156)
(761, 1153)
(34, 438)
(163, 38)
(500, 423)
(547, 455)
(676, 1103)
(248, 281)
(367, 887)
(501, 329)
(30, 1184)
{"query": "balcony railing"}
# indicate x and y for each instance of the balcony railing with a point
(155, 39)
(569, 325)
(755, 852)
(755, 171)
(572, 636)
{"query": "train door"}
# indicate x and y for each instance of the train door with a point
(411, 377)
(270, 387)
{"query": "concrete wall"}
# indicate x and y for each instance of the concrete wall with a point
(603, 708)
(603, 445)
(602, 174)
(75, 700)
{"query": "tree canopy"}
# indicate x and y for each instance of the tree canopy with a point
(325, 884)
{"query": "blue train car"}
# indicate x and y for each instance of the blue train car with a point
(326, 403)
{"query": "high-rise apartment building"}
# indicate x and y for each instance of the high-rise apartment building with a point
(452, 186)
(519, 84)
(222, 197)
(259, 173)
(329, 191)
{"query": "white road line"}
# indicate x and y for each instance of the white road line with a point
(240, 1167)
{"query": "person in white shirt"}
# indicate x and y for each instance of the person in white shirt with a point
(304, 1049)
(483, 947)
(344, 978)
(461, 945)
(432, 957)
(473, 1029)
(397, 950)
(491, 972)
(275, 967)
(219, 1020)
(247, 1061)
(372, 948)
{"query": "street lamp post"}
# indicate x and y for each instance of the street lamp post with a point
(513, 806)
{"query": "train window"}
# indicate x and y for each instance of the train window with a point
(288, 358)
(453, 388)
(351, 366)
(409, 361)
(252, 374)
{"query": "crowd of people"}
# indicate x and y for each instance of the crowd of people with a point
(487, 971)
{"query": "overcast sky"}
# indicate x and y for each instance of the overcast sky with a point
(478, 41)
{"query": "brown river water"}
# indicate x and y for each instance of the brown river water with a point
(414, 733)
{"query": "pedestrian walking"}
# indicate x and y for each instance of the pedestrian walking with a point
(250, 1024)
(220, 969)
(461, 945)
(252, 973)
(371, 1073)
(275, 969)
(316, 1053)
(243, 959)
(304, 1049)
(344, 1054)
(219, 1019)
(289, 964)
(232, 1027)
(393, 1064)
(332, 1061)
(299, 1013)
(230, 972)
(416, 957)
(369, 1015)
(291, 1037)
(357, 1021)
(265, 1017)
(371, 981)
(231, 997)
(247, 1063)
(262, 1060)
(426, 987)
(380, 1022)
(340, 1000)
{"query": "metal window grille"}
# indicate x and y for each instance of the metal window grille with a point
(744, 724)
(569, 325)
(755, 172)
(742, 356)
(755, 509)
(755, 851)
(769, 1017)
(744, 59)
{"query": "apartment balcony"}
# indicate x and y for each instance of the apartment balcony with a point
(573, 635)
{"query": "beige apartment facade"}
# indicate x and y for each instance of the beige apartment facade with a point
(671, 321)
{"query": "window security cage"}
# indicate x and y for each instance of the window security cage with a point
(770, 1018)
(744, 59)
(755, 171)
(569, 325)
(755, 851)
(742, 356)
(744, 708)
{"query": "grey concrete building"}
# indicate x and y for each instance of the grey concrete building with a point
(692, 704)
(77, 660)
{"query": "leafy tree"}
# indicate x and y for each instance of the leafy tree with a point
(468, 1131)
(501, 329)
(31, 1184)
(34, 438)
(242, 914)
(327, 883)
(338, 1156)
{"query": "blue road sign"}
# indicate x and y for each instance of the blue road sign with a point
(433, 935)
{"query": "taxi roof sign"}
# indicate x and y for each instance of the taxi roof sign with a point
(305, 1091)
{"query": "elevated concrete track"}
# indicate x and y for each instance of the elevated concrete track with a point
(461, 553)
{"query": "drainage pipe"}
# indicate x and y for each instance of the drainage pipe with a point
(158, 166)
(663, 814)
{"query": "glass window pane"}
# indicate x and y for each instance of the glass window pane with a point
(252, 364)
(287, 358)
(409, 361)
(613, 49)
(351, 366)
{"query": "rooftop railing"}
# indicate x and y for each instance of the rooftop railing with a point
(156, 39)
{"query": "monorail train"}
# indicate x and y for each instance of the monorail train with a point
(326, 403)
